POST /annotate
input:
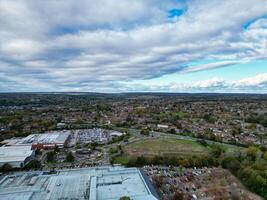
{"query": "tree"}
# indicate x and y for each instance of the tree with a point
(70, 157)
(6, 167)
(208, 131)
(93, 145)
(172, 131)
(173, 161)
(33, 164)
(178, 196)
(38, 152)
(265, 155)
(236, 130)
(156, 160)
(208, 118)
(253, 126)
(125, 198)
(56, 149)
(231, 163)
(179, 125)
(126, 131)
(217, 150)
(113, 150)
(203, 142)
(144, 131)
(141, 161)
(79, 120)
(252, 152)
(78, 146)
(50, 156)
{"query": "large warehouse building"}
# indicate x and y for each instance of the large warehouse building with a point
(47, 140)
(41, 141)
(102, 183)
(16, 156)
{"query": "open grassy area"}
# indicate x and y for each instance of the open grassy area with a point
(165, 147)
(123, 160)
(232, 150)
(179, 114)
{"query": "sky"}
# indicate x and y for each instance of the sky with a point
(133, 46)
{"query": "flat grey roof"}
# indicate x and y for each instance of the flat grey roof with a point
(14, 153)
(52, 137)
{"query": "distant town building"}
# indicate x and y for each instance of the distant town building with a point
(162, 126)
(116, 134)
(61, 125)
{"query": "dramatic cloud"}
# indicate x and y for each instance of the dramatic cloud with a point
(94, 45)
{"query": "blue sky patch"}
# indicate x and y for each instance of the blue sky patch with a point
(248, 23)
(63, 30)
(175, 13)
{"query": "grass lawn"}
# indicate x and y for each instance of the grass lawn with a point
(123, 160)
(232, 150)
(165, 147)
(179, 114)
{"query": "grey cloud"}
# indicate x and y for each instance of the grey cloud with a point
(139, 44)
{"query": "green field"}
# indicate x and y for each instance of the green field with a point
(179, 114)
(123, 160)
(232, 150)
(165, 147)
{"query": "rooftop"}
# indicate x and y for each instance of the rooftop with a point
(14, 153)
(46, 138)
(100, 183)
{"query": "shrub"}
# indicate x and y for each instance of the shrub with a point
(6, 167)
(70, 157)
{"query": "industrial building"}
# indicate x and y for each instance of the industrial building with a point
(16, 156)
(41, 141)
(47, 140)
(100, 183)
(11, 142)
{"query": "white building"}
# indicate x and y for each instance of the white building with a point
(162, 126)
(116, 134)
(16, 156)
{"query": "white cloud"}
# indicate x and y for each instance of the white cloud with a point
(214, 82)
(255, 84)
(259, 81)
(87, 42)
